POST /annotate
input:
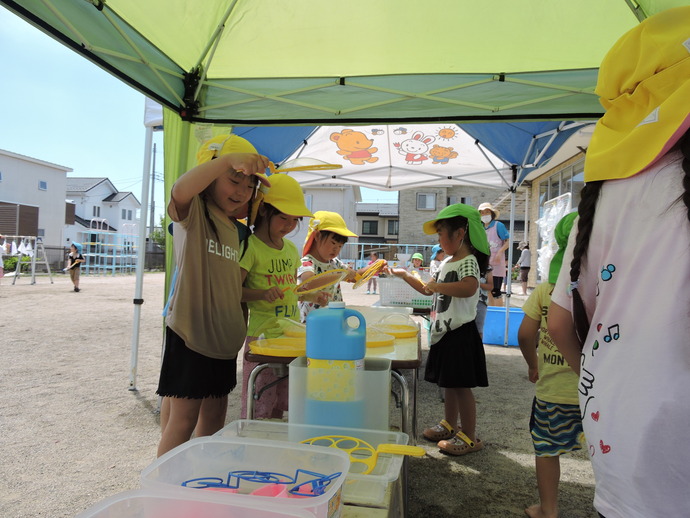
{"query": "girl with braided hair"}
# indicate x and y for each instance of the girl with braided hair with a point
(621, 313)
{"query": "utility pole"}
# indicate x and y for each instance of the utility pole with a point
(153, 203)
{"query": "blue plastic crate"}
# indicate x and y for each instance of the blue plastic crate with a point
(494, 325)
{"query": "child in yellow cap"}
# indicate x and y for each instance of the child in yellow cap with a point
(325, 239)
(620, 310)
(205, 324)
(269, 269)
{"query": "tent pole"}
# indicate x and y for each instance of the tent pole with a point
(509, 273)
(141, 260)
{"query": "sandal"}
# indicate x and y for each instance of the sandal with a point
(460, 444)
(439, 432)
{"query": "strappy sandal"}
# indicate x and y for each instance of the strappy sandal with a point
(460, 444)
(439, 432)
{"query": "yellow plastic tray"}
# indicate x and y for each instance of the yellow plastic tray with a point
(282, 346)
(376, 338)
(295, 331)
(397, 330)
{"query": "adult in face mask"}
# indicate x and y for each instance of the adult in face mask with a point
(499, 240)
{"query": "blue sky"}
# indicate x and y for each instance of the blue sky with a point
(61, 108)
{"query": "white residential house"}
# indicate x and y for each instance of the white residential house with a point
(100, 206)
(32, 198)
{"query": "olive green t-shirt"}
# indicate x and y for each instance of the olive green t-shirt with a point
(205, 305)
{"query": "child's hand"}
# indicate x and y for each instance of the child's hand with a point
(322, 298)
(272, 294)
(246, 163)
(398, 272)
(351, 275)
(533, 374)
(431, 287)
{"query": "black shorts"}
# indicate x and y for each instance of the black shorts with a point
(186, 373)
(524, 273)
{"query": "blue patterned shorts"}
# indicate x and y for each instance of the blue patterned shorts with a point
(556, 428)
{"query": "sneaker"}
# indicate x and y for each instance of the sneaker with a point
(76, 289)
(367, 293)
(460, 444)
(374, 293)
(439, 432)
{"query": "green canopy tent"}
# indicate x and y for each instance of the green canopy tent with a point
(305, 62)
(254, 62)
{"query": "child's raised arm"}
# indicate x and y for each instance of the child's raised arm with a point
(198, 178)
(465, 287)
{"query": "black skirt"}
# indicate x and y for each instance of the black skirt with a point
(188, 374)
(457, 360)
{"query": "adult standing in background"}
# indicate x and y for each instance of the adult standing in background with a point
(499, 240)
(525, 264)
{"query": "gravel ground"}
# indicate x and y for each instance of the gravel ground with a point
(72, 433)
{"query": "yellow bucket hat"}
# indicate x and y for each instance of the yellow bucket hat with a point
(224, 144)
(286, 195)
(644, 85)
(325, 221)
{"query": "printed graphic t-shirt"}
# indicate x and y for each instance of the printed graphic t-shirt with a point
(310, 264)
(635, 364)
(204, 308)
(267, 267)
(453, 312)
(557, 382)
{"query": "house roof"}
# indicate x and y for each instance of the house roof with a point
(382, 209)
(87, 224)
(35, 160)
(76, 185)
(119, 196)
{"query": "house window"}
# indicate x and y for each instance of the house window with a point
(42, 186)
(467, 200)
(96, 211)
(370, 228)
(393, 227)
(129, 215)
(426, 201)
(452, 200)
(124, 213)
(41, 232)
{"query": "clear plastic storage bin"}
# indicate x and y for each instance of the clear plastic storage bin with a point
(214, 458)
(368, 409)
(358, 488)
(143, 503)
(396, 292)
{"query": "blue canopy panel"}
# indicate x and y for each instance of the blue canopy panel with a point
(275, 142)
(529, 145)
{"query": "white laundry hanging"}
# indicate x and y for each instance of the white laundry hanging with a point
(28, 249)
(14, 248)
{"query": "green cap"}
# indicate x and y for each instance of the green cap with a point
(561, 232)
(417, 256)
(477, 231)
